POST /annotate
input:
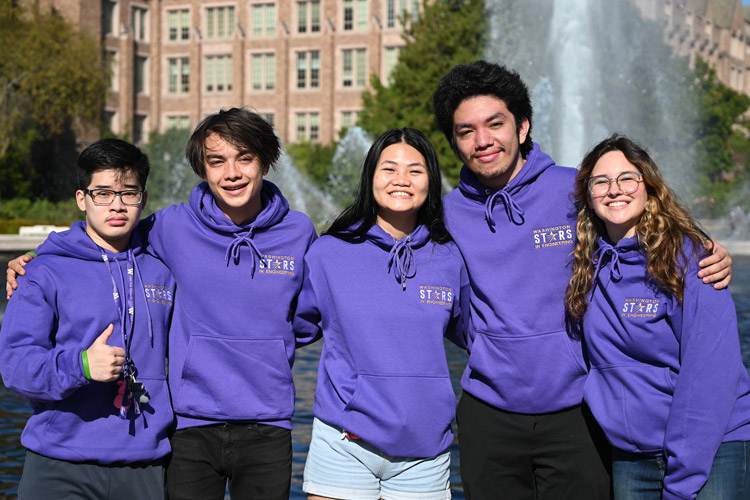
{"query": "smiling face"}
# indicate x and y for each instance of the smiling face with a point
(235, 178)
(110, 226)
(620, 212)
(488, 139)
(400, 186)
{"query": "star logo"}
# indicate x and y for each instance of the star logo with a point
(552, 236)
(641, 307)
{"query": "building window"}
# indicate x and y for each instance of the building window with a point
(355, 15)
(391, 58)
(269, 118)
(139, 129)
(140, 75)
(110, 120)
(114, 73)
(178, 121)
(349, 118)
(308, 69)
(109, 18)
(178, 75)
(397, 8)
(264, 19)
(178, 22)
(308, 16)
(308, 126)
(218, 73)
(139, 22)
(354, 68)
(263, 68)
(220, 22)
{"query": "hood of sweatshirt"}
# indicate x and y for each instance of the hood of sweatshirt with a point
(78, 244)
(275, 207)
(536, 163)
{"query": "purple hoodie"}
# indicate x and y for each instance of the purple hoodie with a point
(666, 379)
(231, 345)
(517, 244)
(384, 307)
(64, 303)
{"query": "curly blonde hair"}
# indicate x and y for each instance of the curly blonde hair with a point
(661, 230)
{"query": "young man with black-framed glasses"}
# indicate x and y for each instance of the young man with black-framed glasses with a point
(84, 340)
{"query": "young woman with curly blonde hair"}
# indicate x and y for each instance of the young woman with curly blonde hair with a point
(667, 383)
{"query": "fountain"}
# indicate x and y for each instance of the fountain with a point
(595, 68)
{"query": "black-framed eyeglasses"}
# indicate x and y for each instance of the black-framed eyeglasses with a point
(599, 185)
(107, 196)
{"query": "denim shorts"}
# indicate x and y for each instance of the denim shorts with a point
(339, 467)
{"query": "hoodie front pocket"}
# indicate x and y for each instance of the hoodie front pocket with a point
(236, 379)
(403, 415)
(528, 372)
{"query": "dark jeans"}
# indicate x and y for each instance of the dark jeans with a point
(44, 478)
(255, 458)
(552, 456)
(640, 477)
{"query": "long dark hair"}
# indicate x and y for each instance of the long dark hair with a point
(364, 210)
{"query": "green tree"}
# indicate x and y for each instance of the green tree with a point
(171, 178)
(313, 159)
(52, 78)
(720, 134)
(446, 33)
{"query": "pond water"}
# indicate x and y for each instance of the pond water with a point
(14, 411)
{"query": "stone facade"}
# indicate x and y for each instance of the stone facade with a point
(715, 30)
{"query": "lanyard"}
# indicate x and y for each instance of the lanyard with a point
(126, 312)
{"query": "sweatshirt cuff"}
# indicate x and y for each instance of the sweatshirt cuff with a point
(81, 374)
(668, 495)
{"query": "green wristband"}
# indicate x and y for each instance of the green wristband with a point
(85, 361)
(31, 252)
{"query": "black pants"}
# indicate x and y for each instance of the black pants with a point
(552, 456)
(44, 478)
(255, 458)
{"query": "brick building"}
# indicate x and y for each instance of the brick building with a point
(716, 30)
(301, 63)
(304, 63)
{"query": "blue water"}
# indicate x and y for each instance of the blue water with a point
(14, 410)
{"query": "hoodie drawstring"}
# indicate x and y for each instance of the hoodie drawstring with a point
(614, 262)
(511, 208)
(233, 250)
(403, 257)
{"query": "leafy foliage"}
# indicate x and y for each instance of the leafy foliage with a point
(721, 139)
(171, 178)
(446, 33)
(22, 212)
(51, 78)
(313, 159)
